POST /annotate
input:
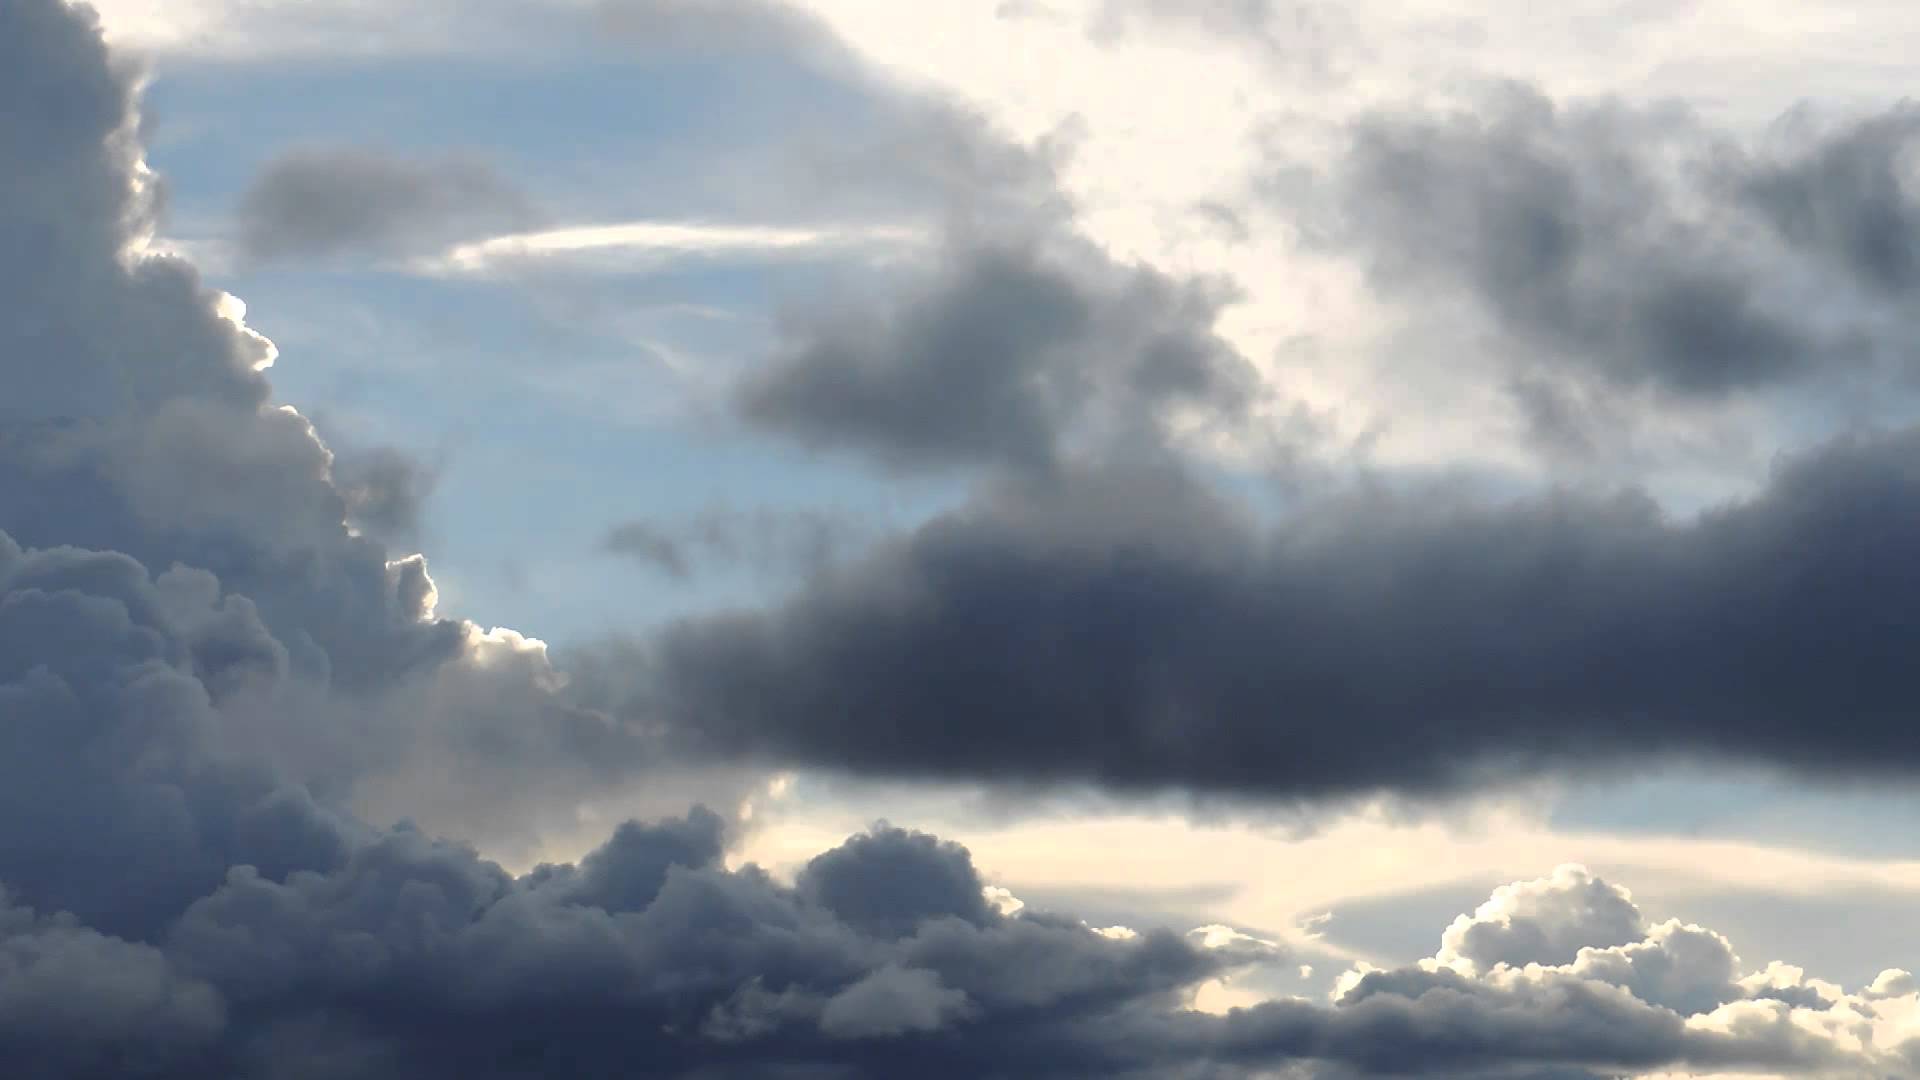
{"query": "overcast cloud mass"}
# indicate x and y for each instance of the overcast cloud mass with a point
(985, 498)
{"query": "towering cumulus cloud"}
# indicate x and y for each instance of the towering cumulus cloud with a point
(137, 419)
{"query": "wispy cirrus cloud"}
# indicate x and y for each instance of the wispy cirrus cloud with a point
(643, 243)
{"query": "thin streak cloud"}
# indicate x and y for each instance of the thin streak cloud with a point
(655, 241)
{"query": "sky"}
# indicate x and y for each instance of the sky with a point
(995, 539)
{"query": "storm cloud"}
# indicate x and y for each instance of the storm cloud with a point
(1020, 353)
(1390, 640)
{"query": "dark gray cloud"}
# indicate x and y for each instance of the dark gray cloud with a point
(927, 880)
(1134, 629)
(75, 1002)
(1635, 258)
(111, 684)
(1844, 191)
(1016, 354)
(333, 200)
(767, 541)
(1566, 226)
(187, 895)
(275, 941)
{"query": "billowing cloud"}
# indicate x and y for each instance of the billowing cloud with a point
(1137, 629)
(205, 672)
(138, 427)
(1022, 354)
(1542, 922)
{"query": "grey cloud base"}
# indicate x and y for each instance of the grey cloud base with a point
(275, 940)
(1055, 631)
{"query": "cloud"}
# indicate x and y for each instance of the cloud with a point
(1576, 230)
(890, 881)
(892, 1001)
(1542, 922)
(1636, 261)
(706, 27)
(203, 671)
(1409, 640)
(1015, 354)
(385, 489)
(781, 542)
(335, 200)
(74, 1002)
(1843, 191)
(1307, 38)
(644, 242)
(137, 429)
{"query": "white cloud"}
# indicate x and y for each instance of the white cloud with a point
(650, 242)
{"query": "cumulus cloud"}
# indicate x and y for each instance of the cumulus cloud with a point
(137, 427)
(1542, 922)
(75, 1002)
(1019, 352)
(385, 489)
(412, 957)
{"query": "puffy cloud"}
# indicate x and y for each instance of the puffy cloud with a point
(1021, 351)
(113, 772)
(890, 881)
(439, 962)
(891, 1001)
(1542, 922)
(267, 938)
(74, 1002)
(137, 426)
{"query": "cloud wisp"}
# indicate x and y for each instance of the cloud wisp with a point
(643, 243)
